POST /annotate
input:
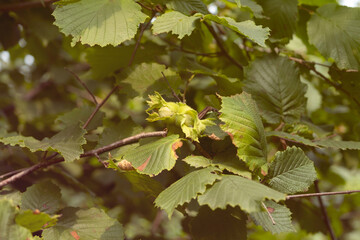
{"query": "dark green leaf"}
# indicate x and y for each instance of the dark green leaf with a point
(281, 17)
(338, 27)
(274, 83)
(218, 224)
(44, 196)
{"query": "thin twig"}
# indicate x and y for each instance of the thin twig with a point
(310, 66)
(157, 221)
(202, 150)
(146, 7)
(207, 109)
(321, 194)
(139, 39)
(214, 54)
(29, 170)
(94, 152)
(123, 142)
(99, 106)
(246, 49)
(101, 161)
(24, 5)
(269, 214)
(324, 213)
(281, 125)
(220, 45)
(11, 173)
(299, 60)
(84, 85)
(282, 141)
(172, 90)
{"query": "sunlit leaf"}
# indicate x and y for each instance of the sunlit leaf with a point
(35, 221)
(154, 157)
(185, 189)
(243, 123)
(99, 22)
(238, 191)
(175, 22)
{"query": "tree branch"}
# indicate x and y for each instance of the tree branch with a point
(99, 106)
(221, 46)
(172, 90)
(29, 170)
(139, 39)
(324, 213)
(310, 66)
(123, 142)
(23, 5)
(320, 194)
(94, 152)
(84, 85)
(210, 55)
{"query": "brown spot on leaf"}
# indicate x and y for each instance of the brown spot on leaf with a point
(270, 210)
(75, 235)
(214, 137)
(263, 172)
(231, 136)
(36, 212)
(175, 146)
(143, 166)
